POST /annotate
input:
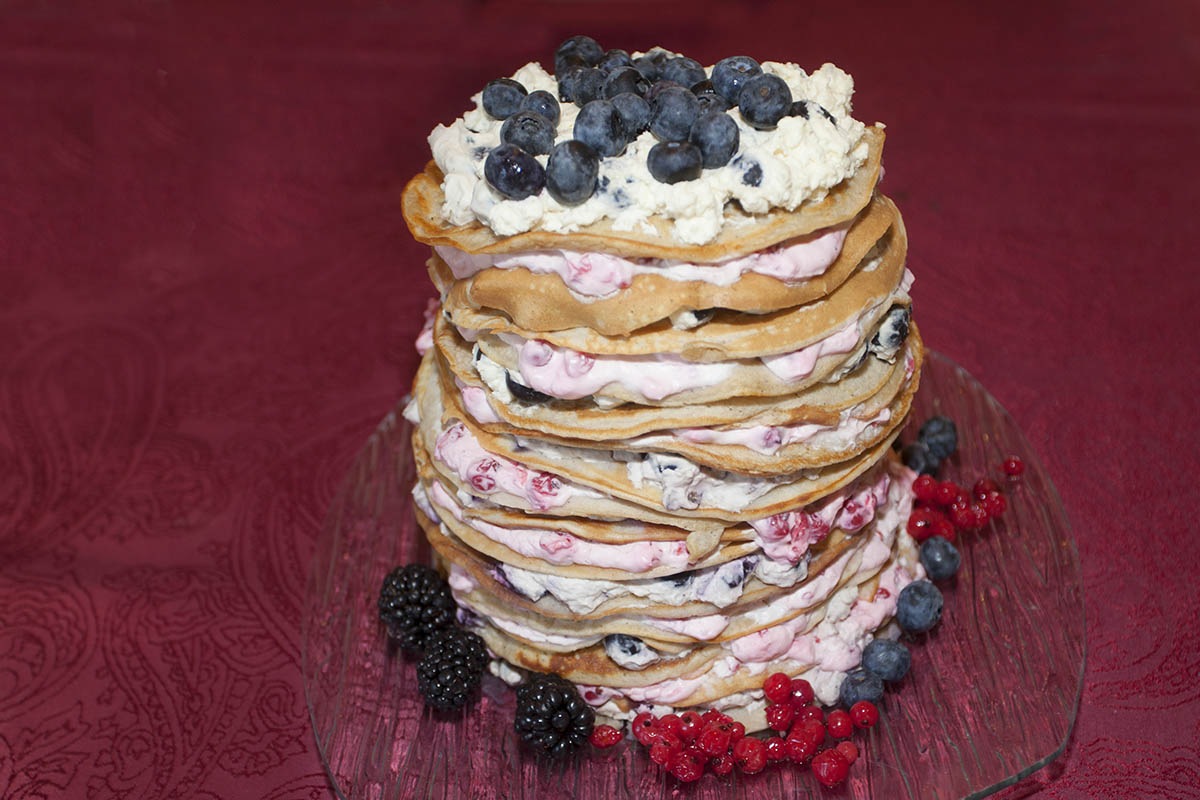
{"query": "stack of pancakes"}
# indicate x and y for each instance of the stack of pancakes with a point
(669, 492)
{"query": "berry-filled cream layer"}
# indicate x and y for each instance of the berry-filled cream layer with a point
(797, 162)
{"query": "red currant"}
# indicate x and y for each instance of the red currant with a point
(925, 488)
(830, 767)
(962, 517)
(605, 736)
(849, 750)
(777, 688)
(864, 713)
(840, 724)
(750, 755)
(642, 725)
(945, 493)
(800, 750)
(661, 753)
(994, 504)
(690, 725)
(779, 717)
(812, 712)
(920, 523)
(714, 739)
(776, 749)
(802, 693)
(722, 764)
(810, 730)
(1013, 466)
(687, 765)
(737, 732)
(943, 527)
(712, 715)
(982, 488)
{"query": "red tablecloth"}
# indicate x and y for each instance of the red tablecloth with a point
(208, 297)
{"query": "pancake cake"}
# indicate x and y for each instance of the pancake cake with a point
(654, 416)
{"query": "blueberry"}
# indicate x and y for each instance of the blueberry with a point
(940, 436)
(651, 64)
(730, 75)
(523, 392)
(623, 643)
(673, 112)
(581, 48)
(658, 87)
(684, 71)
(571, 173)
(711, 101)
(703, 86)
(625, 79)
(673, 162)
(716, 134)
(612, 59)
(916, 456)
(542, 102)
(587, 85)
(752, 173)
(531, 132)
(566, 81)
(887, 659)
(502, 98)
(860, 685)
(682, 578)
(513, 172)
(635, 114)
(764, 100)
(599, 127)
(892, 333)
(939, 558)
(800, 109)
(919, 607)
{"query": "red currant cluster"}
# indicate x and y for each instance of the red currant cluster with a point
(944, 508)
(803, 728)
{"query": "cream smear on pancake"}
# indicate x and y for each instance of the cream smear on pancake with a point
(796, 163)
(599, 275)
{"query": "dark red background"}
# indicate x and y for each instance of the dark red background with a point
(208, 297)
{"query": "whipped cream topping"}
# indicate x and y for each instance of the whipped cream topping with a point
(686, 485)
(796, 163)
(800, 363)
(600, 275)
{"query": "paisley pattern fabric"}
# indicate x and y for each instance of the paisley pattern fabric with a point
(208, 299)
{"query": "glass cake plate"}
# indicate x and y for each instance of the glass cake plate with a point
(1011, 640)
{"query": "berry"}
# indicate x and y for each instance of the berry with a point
(586, 86)
(673, 112)
(840, 724)
(641, 726)
(860, 685)
(519, 390)
(714, 739)
(800, 108)
(994, 504)
(598, 125)
(864, 714)
(800, 749)
(614, 59)
(716, 134)
(674, 162)
(684, 71)
(551, 715)
(849, 750)
(502, 98)
(713, 715)
(943, 527)
(661, 753)
(625, 79)
(658, 87)
(777, 687)
(451, 668)
(811, 730)
(687, 765)
(605, 736)
(946, 493)
(571, 174)
(583, 49)
(916, 456)
(750, 755)
(542, 102)
(722, 764)
(920, 523)
(830, 767)
(513, 172)
(764, 100)
(651, 64)
(982, 488)
(529, 131)
(925, 488)
(776, 748)
(891, 334)
(780, 716)
(710, 102)
(812, 712)
(802, 693)
(940, 436)
(1013, 466)
(918, 609)
(940, 559)
(888, 659)
(415, 602)
(634, 112)
(729, 75)
(690, 725)
(669, 723)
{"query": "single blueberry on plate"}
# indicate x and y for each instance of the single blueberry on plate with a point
(764, 100)
(673, 162)
(940, 558)
(711, 101)
(919, 607)
(673, 112)
(634, 112)
(684, 71)
(588, 85)
(940, 436)
(513, 173)
(860, 685)
(502, 98)
(542, 102)
(598, 125)
(529, 131)
(612, 59)
(916, 456)
(571, 172)
(523, 392)
(887, 659)
(581, 48)
(730, 75)
(716, 134)
(625, 79)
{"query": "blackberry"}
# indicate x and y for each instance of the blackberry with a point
(451, 668)
(415, 602)
(551, 716)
